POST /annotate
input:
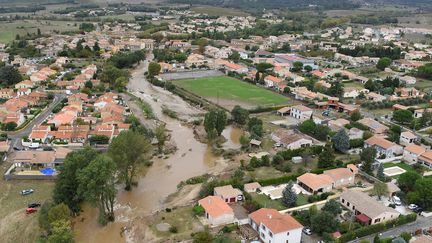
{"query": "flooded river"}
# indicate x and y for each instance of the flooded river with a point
(192, 158)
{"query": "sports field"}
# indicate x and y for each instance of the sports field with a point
(229, 92)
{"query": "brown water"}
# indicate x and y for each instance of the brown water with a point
(232, 134)
(192, 158)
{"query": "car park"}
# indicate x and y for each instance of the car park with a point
(27, 191)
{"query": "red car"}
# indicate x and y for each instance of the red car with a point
(31, 210)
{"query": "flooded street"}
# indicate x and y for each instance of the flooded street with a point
(192, 158)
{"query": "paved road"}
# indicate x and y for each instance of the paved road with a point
(16, 136)
(421, 223)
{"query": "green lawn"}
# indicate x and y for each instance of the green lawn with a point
(400, 165)
(231, 90)
(265, 201)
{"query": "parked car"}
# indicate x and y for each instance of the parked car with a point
(34, 205)
(31, 210)
(412, 206)
(418, 210)
(396, 200)
(307, 231)
(27, 191)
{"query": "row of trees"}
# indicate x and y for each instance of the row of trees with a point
(89, 176)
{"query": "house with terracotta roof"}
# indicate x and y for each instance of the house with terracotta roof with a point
(24, 84)
(419, 112)
(425, 159)
(251, 187)
(274, 227)
(366, 209)
(412, 152)
(338, 124)
(6, 93)
(217, 211)
(40, 133)
(301, 112)
(272, 81)
(63, 118)
(383, 146)
(233, 67)
(328, 180)
(228, 193)
(375, 97)
(374, 126)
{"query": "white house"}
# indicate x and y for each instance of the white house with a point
(407, 138)
(290, 139)
(217, 211)
(274, 227)
(272, 81)
(383, 146)
(301, 112)
(412, 152)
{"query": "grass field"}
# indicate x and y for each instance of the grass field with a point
(15, 225)
(9, 30)
(401, 165)
(229, 92)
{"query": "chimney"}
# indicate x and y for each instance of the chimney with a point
(269, 216)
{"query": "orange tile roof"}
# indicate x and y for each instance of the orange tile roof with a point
(339, 173)
(315, 181)
(380, 141)
(275, 221)
(415, 149)
(215, 206)
(273, 79)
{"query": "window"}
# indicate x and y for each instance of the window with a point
(262, 236)
(270, 233)
(348, 204)
(343, 200)
(287, 234)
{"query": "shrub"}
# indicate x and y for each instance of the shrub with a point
(173, 229)
(198, 210)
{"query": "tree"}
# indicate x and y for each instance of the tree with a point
(235, 56)
(308, 68)
(161, 136)
(154, 69)
(423, 189)
(221, 121)
(59, 212)
(202, 237)
(297, 66)
(97, 186)
(210, 124)
(355, 116)
(9, 75)
(263, 67)
(407, 181)
(307, 126)
(96, 47)
(383, 63)
(10, 126)
(368, 156)
(244, 141)
(370, 85)
(380, 189)
(380, 172)
(289, 197)
(332, 207)
(66, 187)
(336, 89)
(110, 73)
(61, 232)
(239, 115)
(403, 116)
(129, 150)
(324, 222)
(326, 158)
(255, 127)
(341, 141)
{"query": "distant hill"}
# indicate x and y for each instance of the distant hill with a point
(327, 4)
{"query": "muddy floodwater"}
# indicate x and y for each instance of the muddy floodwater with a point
(192, 158)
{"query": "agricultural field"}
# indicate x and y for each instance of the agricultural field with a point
(228, 92)
(21, 27)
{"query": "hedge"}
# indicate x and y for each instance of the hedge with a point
(278, 180)
(373, 229)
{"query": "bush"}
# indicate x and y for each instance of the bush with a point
(173, 229)
(356, 143)
(198, 210)
(278, 180)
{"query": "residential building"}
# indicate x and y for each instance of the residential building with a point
(338, 124)
(375, 97)
(274, 227)
(251, 187)
(366, 209)
(407, 138)
(217, 211)
(425, 159)
(328, 180)
(374, 126)
(301, 112)
(383, 147)
(412, 152)
(272, 81)
(290, 139)
(228, 193)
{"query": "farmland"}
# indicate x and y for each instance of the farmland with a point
(228, 92)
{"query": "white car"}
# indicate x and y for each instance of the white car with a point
(396, 200)
(412, 206)
(307, 231)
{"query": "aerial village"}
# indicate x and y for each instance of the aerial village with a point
(320, 136)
